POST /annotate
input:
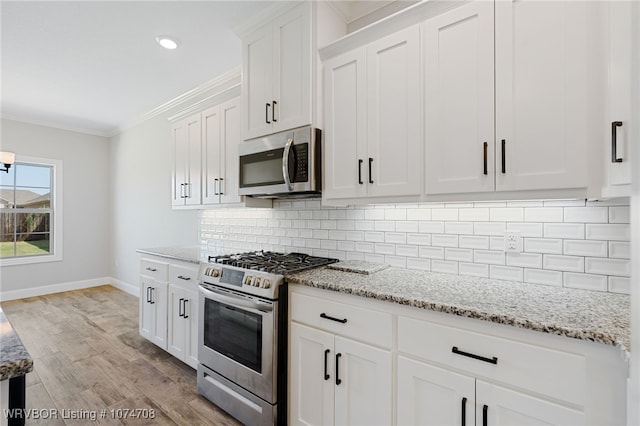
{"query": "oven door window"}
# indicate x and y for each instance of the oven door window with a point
(234, 333)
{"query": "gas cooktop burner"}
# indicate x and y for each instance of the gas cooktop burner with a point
(273, 262)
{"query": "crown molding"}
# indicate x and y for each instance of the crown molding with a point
(212, 88)
(264, 16)
(209, 101)
(54, 125)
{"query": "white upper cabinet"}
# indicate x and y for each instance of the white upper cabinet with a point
(459, 100)
(280, 68)
(542, 64)
(372, 120)
(220, 139)
(617, 131)
(185, 176)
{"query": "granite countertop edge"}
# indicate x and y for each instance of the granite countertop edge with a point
(15, 360)
(551, 327)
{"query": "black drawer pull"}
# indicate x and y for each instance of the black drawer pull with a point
(149, 268)
(338, 381)
(493, 360)
(326, 361)
(614, 141)
(325, 316)
(184, 278)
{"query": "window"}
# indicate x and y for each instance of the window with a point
(30, 225)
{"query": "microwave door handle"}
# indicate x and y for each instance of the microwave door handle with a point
(285, 164)
(256, 308)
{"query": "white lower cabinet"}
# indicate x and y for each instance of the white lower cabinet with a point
(169, 306)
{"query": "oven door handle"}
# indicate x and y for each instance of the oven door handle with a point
(285, 164)
(254, 307)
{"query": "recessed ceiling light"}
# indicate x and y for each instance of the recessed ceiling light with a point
(167, 42)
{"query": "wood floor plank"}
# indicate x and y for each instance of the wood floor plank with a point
(88, 355)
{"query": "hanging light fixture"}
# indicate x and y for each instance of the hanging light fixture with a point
(7, 159)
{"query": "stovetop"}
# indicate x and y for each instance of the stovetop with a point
(272, 262)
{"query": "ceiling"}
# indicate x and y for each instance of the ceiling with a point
(94, 66)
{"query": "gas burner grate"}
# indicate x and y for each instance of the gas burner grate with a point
(273, 262)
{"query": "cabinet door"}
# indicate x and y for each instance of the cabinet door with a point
(501, 406)
(541, 94)
(175, 323)
(620, 56)
(394, 159)
(159, 302)
(194, 161)
(191, 319)
(229, 157)
(459, 100)
(291, 103)
(364, 395)
(311, 376)
(345, 135)
(179, 166)
(432, 396)
(211, 159)
(147, 310)
(257, 68)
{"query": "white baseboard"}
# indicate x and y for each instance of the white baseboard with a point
(74, 285)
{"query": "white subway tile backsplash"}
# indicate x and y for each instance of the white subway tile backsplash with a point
(543, 245)
(457, 254)
(586, 248)
(443, 240)
(473, 269)
(563, 263)
(543, 214)
(595, 265)
(620, 285)
(620, 249)
(444, 266)
(564, 230)
(473, 241)
(506, 273)
(615, 232)
(619, 214)
(573, 243)
(506, 214)
(586, 214)
(487, 256)
(526, 260)
(585, 281)
(543, 276)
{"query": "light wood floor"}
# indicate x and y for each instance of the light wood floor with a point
(89, 356)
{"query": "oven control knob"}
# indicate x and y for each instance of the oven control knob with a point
(247, 280)
(257, 281)
(216, 272)
(208, 271)
(266, 283)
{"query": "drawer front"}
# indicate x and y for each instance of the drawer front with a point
(550, 372)
(185, 276)
(347, 320)
(154, 269)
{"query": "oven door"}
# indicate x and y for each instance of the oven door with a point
(238, 339)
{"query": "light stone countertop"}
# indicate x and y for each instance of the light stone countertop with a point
(581, 314)
(190, 254)
(15, 360)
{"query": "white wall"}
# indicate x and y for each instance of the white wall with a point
(85, 206)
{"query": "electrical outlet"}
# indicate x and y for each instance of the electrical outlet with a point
(512, 242)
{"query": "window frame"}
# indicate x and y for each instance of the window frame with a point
(55, 232)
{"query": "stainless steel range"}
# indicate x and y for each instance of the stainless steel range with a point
(243, 332)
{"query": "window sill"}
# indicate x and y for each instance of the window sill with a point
(28, 260)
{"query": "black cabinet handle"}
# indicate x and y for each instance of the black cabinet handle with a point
(464, 412)
(148, 294)
(504, 156)
(184, 309)
(485, 146)
(493, 360)
(484, 415)
(184, 278)
(221, 183)
(273, 112)
(338, 381)
(152, 290)
(326, 362)
(360, 171)
(266, 113)
(325, 316)
(180, 308)
(614, 141)
(215, 187)
(370, 161)
(151, 269)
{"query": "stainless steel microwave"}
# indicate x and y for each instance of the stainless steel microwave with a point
(282, 165)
